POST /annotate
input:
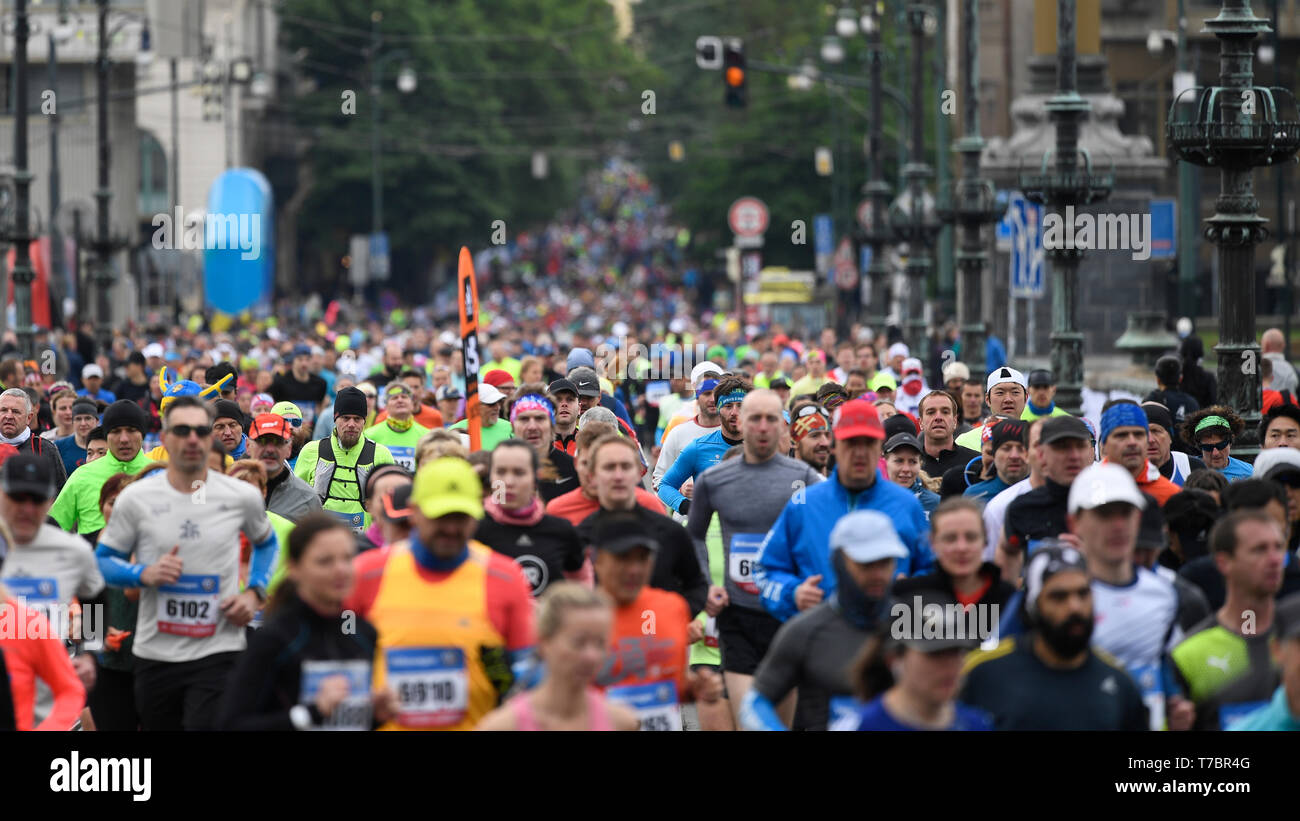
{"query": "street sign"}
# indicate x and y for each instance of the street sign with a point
(823, 243)
(822, 161)
(1026, 220)
(747, 217)
(846, 273)
(359, 260)
(1164, 228)
(379, 265)
(864, 215)
(708, 52)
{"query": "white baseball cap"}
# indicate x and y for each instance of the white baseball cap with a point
(704, 369)
(867, 536)
(153, 350)
(899, 349)
(1005, 374)
(1102, 483)
(92, 370)
(1276, 461)
(488, 394)
(956, 370)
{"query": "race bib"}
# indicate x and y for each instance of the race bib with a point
(353, 712)
(403, 456)
(656, 391)
(741, 559)
(41, 594)
(654, 703)
(843, 713)
(188, 606)
(356, 521)
(432, 684)
(1147, 677)
(1230, 714)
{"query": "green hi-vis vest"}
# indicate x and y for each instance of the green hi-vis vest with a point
(342, 488)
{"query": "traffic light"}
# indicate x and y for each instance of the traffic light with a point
(733, 73)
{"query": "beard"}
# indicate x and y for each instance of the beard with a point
(1068, 638)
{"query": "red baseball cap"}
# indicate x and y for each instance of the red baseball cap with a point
(857, 418)
(498, 377)
(271, 424)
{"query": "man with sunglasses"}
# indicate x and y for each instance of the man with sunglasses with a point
(286, 494)
(182, 525)
(810, 431)
(399, 431)
(1213, 430)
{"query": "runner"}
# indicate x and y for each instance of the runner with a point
(1063, 451)
(1224, 665)
(516, 524)
(910, 682)
(1174, 465)
(1006, 394)
(286, 494)
(112, 702)
(564, 399)
(381, 482)
(1124, 440)
(703, 453)
(337, 467)
(810, 430)
(299, 385)
(647, 667)
(46, 567)
(1050, 679)
(77, 507)
(532, 417)
(1280, 428)
(1283, 712)
(495, 429)
(452, 614)
(911, 387)
(15, 414)
(903, 466)
(748, 494)
(308, 668)
(704, 378)
(92, 377)
(1042, 396)
(973, 409)
(995, 510)
(574, 634)
(183, 526)
(957, 538)
(228, 429)
(399, 432)
(1213, 430)
(813, 651)
(794, 562)
(1009, 460)
(937, 412)
(614, 472)
(61, 402)
(426, 414)
(581, 502)
(72, 449)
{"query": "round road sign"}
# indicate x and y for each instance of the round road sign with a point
(747, 217)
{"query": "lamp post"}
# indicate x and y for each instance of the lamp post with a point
(406, 83)
(912, 215)
(1237, 126)
(878, 233)
(972, 201)
(21, 236)
(1068, 185)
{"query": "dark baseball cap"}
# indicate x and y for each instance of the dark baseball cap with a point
(902, 440)
(560, 386)
(585, 381)
(620, 532)
(1041, 378)
(1056, 428)
(27, 473)
(779, 384)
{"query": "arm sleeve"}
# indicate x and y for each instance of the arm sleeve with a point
(758, 713)
(775, 571)
(249, 702)
(676, 475)
(53, 666)
(510, 603)
(697, 524)
(115, 568)
(265, 553)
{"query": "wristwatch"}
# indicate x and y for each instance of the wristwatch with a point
(261, 593)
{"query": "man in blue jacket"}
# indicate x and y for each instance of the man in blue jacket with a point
(794, 566)
(708, 450)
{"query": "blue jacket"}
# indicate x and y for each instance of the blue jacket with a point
(1276, 715)
(983, 491)
(928, 498)
(798, 545)
(698, 456)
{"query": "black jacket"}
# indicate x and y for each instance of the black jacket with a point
(999, 591)
(1038, 514)
(545, 551)
(566, 476)
(47, 450)
(956, 456)
(267, 680)
(676, 568)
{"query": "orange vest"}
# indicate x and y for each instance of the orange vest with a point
(429, 639)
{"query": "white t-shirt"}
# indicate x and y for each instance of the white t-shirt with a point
(995, 513)
(51, 569)
(182, 621)
(1138, 625)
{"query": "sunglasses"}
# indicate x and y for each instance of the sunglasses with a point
(1207, 447)
(809, 410)
(294, 420)
(184, 431)
(27, 498)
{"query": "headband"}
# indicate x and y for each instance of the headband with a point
(706, 385)
(1051, 558)
(1123, 415)
(731, 398)
(810, 418)
(532, 402)
(1212, 422)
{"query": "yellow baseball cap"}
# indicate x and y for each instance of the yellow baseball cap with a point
(448, 485)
